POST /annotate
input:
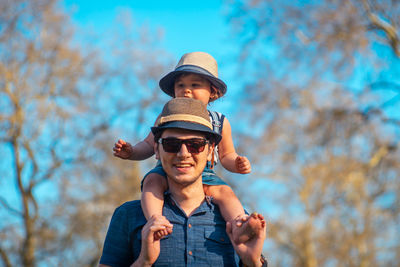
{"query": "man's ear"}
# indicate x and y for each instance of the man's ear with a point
(156, 150)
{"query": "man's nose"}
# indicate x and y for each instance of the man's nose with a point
(183, 152)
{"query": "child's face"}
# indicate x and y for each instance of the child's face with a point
(193, 86)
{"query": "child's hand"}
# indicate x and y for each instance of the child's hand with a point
(123, 149)
(242, 165)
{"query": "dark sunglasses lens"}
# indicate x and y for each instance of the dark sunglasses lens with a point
(195, 145)
(171, 145)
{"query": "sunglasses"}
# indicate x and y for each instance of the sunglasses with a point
(193, 145)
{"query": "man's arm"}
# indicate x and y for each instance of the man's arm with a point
(150, 246)
(116, 241)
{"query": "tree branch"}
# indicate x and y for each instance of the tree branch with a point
(380, 24)
(5, 258)
(9, 208)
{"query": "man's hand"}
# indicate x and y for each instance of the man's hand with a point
(243, 165)
(249, 251)
(123, 149)
(150, 245)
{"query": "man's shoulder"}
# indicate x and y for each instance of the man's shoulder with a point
(130, 210)
(129, 206)
(133, 204)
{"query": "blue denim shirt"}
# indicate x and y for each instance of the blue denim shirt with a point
(198, 240)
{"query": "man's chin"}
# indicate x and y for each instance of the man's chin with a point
(183, 178)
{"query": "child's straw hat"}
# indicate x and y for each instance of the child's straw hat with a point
(198, 63)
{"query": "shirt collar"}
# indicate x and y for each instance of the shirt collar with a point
(205, 206)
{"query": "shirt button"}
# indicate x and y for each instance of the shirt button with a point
(222, 239)
(190, 253)
(190, 226)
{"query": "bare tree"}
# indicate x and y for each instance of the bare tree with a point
(62, 101)
(322, 87)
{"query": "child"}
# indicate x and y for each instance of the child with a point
(195, 76)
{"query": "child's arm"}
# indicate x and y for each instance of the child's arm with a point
(141, 151)
(227, 154)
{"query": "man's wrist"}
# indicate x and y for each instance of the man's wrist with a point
(140, 262)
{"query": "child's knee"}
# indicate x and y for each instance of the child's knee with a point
(220, 191)
(154, 180)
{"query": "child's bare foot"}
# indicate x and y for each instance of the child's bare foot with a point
(249, 251)
(247, 227)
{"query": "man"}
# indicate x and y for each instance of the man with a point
(193, 228)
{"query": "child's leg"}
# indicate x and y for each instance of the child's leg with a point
(225, 198)
(232, 211)
(152, 200)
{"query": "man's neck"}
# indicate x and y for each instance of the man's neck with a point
(188, 197)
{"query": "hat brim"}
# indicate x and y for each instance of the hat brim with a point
(186, 125)
(167, 82)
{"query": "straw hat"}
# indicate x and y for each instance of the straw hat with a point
(188, 114)
(198, 63)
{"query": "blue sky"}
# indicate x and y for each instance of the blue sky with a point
(187, 25)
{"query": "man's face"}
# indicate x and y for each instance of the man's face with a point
(183, 167)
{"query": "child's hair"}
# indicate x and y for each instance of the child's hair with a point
(215, 93)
